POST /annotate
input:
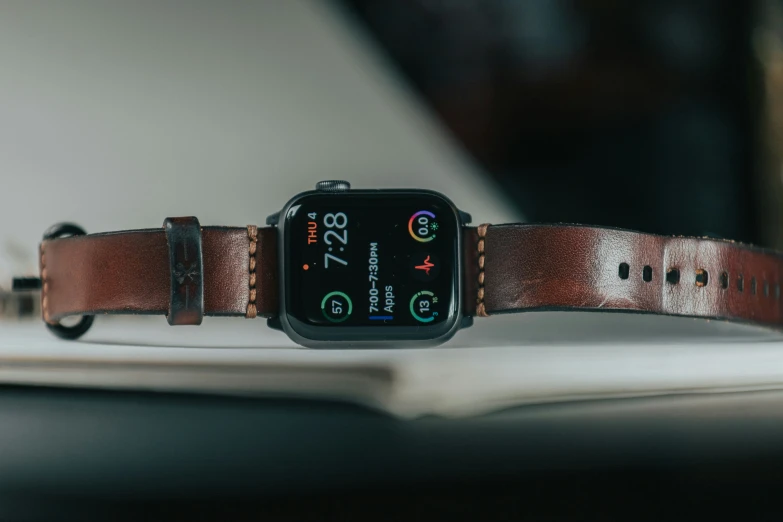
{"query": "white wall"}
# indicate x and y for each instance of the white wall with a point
(117, 114)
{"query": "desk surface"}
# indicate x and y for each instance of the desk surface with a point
(92, 449)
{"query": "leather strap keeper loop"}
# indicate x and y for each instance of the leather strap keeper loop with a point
(186, 301)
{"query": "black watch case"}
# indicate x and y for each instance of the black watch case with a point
(317, 256)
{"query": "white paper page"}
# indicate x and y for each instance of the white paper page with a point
(499, 363)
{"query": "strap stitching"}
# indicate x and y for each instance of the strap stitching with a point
(44, 286)
(481, 310)
(252, 234)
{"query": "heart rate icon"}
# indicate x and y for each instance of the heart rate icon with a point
(424, 266)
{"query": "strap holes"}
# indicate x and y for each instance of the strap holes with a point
(777, 290)
(702, 277)
(753, 285)
(740, 283)
(766, 289)
(624, 271)
(647, 274)
(724, 280)
(673, 276)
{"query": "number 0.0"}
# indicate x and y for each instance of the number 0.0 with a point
(423, 230)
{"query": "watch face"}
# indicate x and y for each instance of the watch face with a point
(372, 264)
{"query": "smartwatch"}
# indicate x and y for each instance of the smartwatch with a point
(338, 267)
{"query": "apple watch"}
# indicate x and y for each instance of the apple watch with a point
(370, 266)
(392, 268)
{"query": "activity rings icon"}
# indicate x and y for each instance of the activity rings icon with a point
(422, 226)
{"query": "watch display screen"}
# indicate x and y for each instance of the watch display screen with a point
(371, 260)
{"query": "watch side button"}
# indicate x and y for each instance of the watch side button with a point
(465, 217)
(274, 323)
(467, 322)
(273, 219)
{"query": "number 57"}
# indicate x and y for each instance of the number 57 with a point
(337, 307)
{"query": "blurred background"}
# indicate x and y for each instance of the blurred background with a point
(656, 115)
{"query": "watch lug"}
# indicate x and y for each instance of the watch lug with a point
(464, 217)
(274, 323)
(273, 219)
(467, 322)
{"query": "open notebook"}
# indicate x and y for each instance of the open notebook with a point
(501, 362)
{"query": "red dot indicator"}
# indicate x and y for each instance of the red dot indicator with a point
(306, 267)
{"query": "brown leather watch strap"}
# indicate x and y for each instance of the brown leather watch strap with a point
(514, 268)
(129, 272)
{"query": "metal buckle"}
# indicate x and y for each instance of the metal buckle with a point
(26, 284)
